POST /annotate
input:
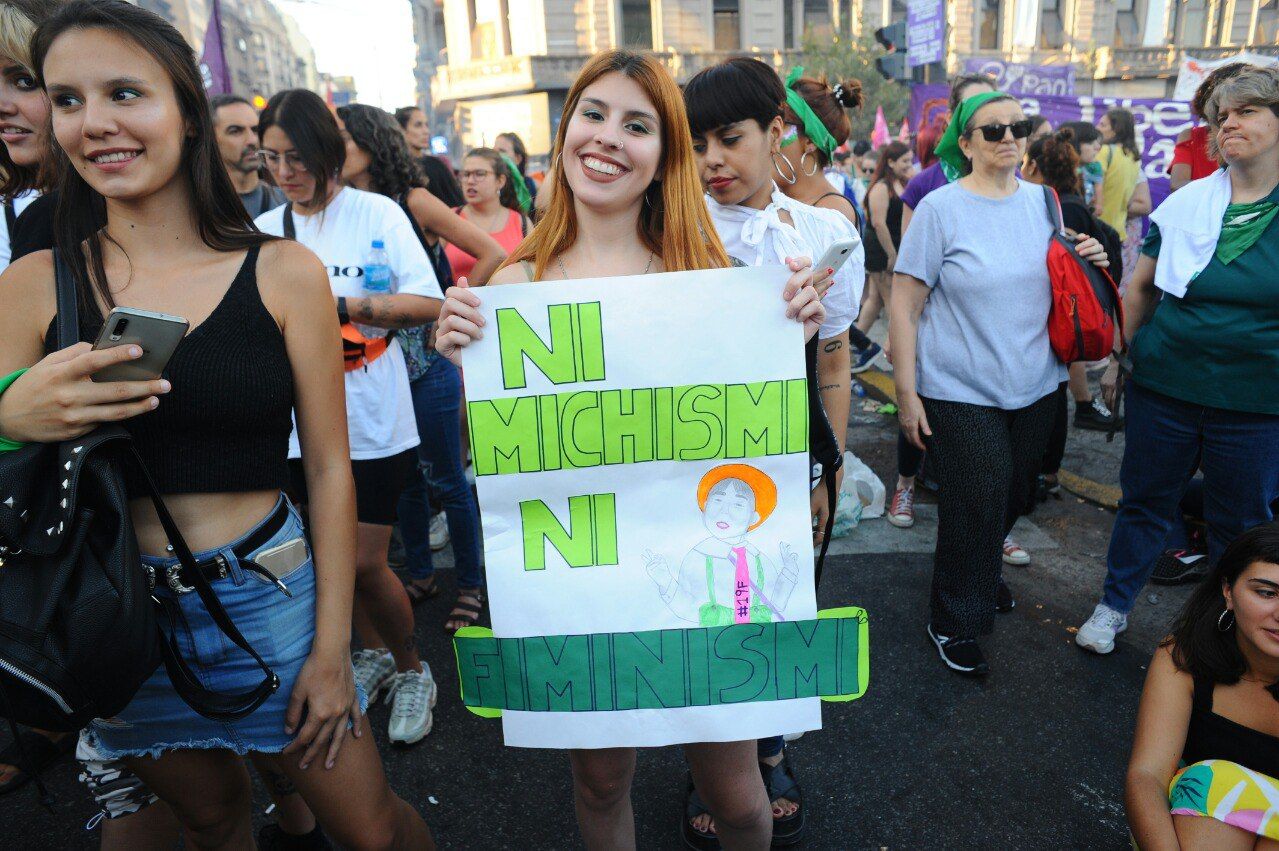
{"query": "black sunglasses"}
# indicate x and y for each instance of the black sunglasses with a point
(995, 132)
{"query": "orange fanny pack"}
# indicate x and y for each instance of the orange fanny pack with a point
(360, 351)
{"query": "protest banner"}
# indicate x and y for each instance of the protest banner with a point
(1018, 78)
(1158, 122)
(1193, 70)
(640, 448)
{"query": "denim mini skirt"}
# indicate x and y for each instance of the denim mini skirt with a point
(279, 627)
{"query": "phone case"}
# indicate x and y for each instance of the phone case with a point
(281, 560)
(157, 333)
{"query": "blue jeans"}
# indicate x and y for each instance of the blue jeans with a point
(1165, 441)
(437, 399)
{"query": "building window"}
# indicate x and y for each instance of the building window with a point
(490, 36)
(788, 24)
(1052, 35)
(988, 14)
(728, 24)
(1127, 29)
(637, 24)
(1192, 23)
(817, 17)
(1267, 31)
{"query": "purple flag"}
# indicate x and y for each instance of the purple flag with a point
(213, 67)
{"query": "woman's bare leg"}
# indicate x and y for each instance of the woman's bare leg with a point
(602, 796)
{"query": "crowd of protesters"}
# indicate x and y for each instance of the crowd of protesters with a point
(248, 225)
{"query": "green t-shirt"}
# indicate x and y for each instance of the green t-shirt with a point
(1219, 344)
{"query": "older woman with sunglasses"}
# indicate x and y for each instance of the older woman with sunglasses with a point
(974, 369)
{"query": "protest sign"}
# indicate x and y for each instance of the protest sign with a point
(1158, 122)
(925, 32)
(640, 448)
(1193, 70)
(1018, 78)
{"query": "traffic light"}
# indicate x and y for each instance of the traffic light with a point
(892, 65)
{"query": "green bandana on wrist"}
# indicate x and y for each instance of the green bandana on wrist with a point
(517, 180)
(814, 129)
(947, 149)
(1242, 226)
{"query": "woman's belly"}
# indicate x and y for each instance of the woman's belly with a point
(206, 520)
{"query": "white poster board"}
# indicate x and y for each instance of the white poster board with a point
(653, 431)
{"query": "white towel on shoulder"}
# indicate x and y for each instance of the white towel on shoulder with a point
(1189, 226)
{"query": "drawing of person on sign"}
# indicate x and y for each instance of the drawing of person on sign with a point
(725, 579)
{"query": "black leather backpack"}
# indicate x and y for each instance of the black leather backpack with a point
(79, 628)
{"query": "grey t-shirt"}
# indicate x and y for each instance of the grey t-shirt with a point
(265, 197)
(983, 335)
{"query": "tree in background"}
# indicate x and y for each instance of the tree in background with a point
(843, 58)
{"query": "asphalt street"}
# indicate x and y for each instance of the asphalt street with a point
(1033, 757)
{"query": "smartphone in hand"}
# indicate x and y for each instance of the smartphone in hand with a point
(157, 333)
(835, 256)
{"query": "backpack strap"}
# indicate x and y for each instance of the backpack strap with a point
(68, 303)
(1054, 208)
(218, 706)
(290, 232)
(10, 217)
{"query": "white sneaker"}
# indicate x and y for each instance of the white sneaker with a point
(439, 532)
(1099, 632)
(413, 698)
(1014, 553)
(374, 670)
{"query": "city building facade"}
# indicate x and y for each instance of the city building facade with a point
(264, 48)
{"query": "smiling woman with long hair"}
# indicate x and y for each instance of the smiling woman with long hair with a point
(148, 219)
(626, 200)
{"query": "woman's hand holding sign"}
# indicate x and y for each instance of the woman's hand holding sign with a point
(460, 322)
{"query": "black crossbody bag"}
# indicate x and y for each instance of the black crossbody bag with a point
(80, 630)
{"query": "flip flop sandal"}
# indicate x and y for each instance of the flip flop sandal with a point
(31, 754)
(780, 782)
(698, 840)
(464, 612)
(420, 594)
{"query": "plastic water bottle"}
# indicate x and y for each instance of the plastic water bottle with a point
(858, 390)
(377, 281)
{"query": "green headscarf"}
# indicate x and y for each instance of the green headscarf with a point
(814, 129)
(947, 149)
(517, 181)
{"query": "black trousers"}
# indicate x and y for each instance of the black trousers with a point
(1057, 442)
(986, 461)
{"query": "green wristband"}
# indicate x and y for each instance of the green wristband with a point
(7, 445)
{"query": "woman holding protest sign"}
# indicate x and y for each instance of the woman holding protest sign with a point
(626, 200)
(1202, 317)
(976, 376)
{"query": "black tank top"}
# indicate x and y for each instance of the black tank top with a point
(1210, 736)
(224, 427)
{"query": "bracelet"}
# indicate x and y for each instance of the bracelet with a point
(7, 445)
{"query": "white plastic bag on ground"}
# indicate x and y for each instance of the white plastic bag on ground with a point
(860, 481)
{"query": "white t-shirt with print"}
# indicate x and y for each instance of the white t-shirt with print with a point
(379, 409)
(756, 237)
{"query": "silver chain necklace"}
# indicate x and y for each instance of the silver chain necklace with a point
(564, 270)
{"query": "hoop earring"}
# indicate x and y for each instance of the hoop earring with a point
(816, 164)
(776, 167)
(1228, 626)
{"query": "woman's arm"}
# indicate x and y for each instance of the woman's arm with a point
(907, 215)
(834, 365)
(56, 399)
(1140, 204)
(1179, 176)
(1162, 721)
(1141, 297)
(434, 217)
(877, 208)
(297, 292)
(399, 310)
(909, 295)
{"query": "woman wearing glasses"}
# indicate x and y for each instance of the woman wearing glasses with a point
(491, 204)
(974, 369)
(303, 147)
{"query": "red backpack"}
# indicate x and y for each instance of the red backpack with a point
(1086, 308)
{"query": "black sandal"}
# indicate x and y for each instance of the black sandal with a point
(698, 840)
(464, 612)
(32, 754)
(780, 782)
(421, 593)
